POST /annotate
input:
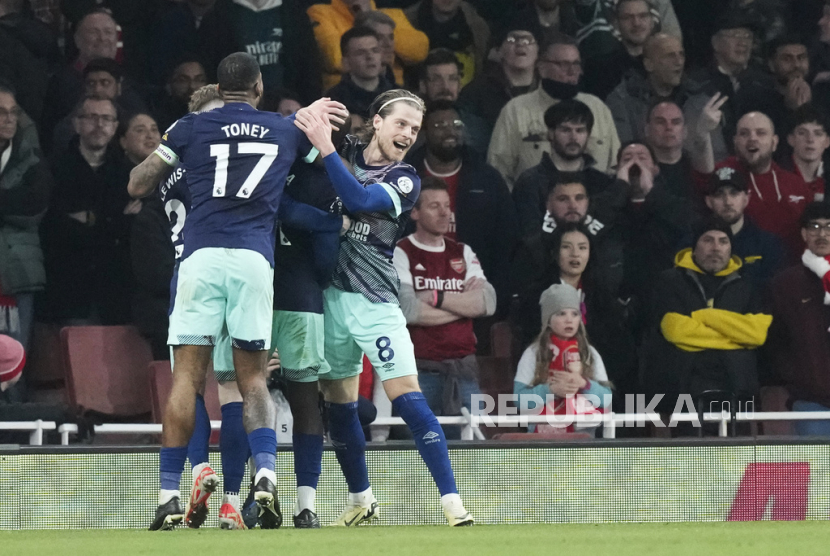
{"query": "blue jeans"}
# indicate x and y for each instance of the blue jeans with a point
(811, 428)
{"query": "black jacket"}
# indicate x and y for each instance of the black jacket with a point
(485, 218)
(676, 320)
(357, 99)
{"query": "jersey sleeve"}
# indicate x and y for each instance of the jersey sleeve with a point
(174, 141)
(401, 261)
(404, 186)
(473, 265)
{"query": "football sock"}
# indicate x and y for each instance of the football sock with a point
(197, 448)
(166, 495)
(429, 438)
(233, 446)
(263, 444)
(349, 444)
(308, 455)
(171, 465)
(232, 499)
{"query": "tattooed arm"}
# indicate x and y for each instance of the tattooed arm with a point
(146, 176)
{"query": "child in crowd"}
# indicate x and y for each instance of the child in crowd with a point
(562, 362)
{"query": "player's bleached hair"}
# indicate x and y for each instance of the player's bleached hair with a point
(202, 96)
(384, 104)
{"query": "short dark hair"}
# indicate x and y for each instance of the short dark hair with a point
(636, 142)
(124, 123)
(440, 105)
(8, 88)
(814, 211)
(555, 39)
(440, 57)
(106, 65)
(571, 111)
(648, 4)
(808, 113)
(566, 178)
(80, 105)
(430, 183)
(782, 41)
(657, 102)
(238, 72)
(355, 33)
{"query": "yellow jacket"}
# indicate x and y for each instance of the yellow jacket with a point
(330, 21)
(712, 328)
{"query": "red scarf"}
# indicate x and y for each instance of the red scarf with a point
(565, 357)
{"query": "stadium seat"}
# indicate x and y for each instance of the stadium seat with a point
(43, 363)
(503, 342)
(495, 375)
(161, 381)
(774, 398)
(106, 370)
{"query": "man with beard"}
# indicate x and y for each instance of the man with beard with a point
(762, 253)
(706, 320)
(569, 125)
(519, 136)
(799, 345)
(777, 197)
(789, 63)
(482, 215)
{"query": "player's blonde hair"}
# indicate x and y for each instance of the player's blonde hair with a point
(202, 96)
(384, 104)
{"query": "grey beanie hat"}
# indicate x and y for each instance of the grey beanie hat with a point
(556, 298)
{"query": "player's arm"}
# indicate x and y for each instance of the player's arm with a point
(146, 176)
(355, 197)
(295, 214)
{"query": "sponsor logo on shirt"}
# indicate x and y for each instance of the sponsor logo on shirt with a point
(451, 284)
(405, 184)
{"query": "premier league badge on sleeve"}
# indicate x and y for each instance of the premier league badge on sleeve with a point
(405, 184)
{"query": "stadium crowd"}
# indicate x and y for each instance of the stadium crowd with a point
(662, 159)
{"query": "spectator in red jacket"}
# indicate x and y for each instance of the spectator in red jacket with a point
(776, 197)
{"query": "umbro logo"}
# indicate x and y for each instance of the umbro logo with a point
(431, 437)
(807, 300)
(419, 266)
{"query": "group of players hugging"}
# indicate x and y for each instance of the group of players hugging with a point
(284, 230)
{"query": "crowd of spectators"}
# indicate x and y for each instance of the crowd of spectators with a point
(663, 158)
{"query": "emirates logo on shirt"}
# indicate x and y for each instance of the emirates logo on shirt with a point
(458, 265)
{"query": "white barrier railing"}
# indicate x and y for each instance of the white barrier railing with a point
(471, 424)
(34, 428)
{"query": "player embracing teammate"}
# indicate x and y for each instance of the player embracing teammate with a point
(362, 313)
(237, 159)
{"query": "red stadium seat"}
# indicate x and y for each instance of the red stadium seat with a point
(106, 370)
(495, 375)
(161, 381)
(774, 398)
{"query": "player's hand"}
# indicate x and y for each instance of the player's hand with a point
(273, 363)
(711, 115)
(317, 129)
(645, 184)
(330, 110)
(133, 207)
(347, 223)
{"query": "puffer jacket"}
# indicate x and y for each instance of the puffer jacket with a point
(25, 184)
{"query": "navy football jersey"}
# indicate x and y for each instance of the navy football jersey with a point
(297, 284)
(364, 264)
(175, 196)
(236, 159)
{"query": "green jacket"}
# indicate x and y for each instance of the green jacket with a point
(24, 193)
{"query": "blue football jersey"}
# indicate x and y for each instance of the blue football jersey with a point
(175, 196)
(237, 159)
